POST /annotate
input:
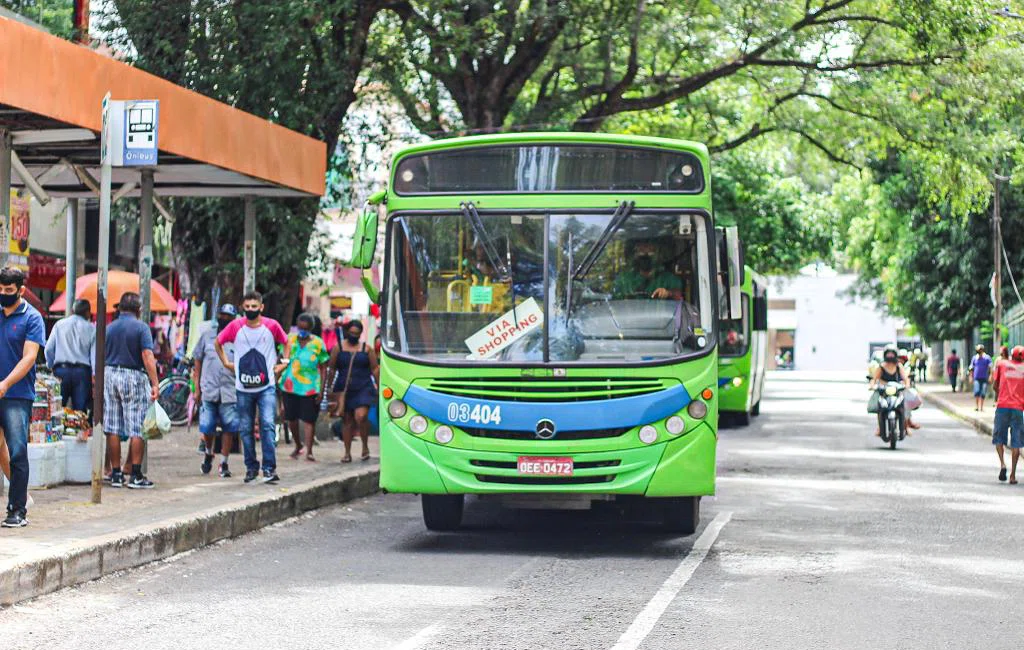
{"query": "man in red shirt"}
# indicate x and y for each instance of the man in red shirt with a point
(1008, 383)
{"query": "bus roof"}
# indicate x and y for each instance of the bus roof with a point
(571, 137)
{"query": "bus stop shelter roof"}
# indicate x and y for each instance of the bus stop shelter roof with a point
(50, 99)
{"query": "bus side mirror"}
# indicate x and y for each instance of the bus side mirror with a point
(364, 241)
(760, 320)
(735, 271)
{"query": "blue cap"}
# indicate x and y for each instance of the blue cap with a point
(229, 309)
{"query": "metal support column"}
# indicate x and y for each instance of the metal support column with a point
(6, 147)
(997, 277)
(99, 438)
(71, 255)
(249, 253)
(146, 243)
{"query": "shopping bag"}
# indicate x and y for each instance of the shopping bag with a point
(157, 424)
(911, 400)
(873, 402)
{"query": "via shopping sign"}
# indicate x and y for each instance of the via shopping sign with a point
(508, 328)
(130, 130)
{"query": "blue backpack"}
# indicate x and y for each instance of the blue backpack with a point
(252, 369)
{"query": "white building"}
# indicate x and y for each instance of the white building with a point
(813, 317)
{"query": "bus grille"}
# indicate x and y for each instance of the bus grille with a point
(545, 480)
(524, 389)
(562, 436)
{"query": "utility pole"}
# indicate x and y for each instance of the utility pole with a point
(997, 278)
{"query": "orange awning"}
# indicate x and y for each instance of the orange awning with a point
(48, 83)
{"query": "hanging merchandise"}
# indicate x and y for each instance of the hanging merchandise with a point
(197, 316)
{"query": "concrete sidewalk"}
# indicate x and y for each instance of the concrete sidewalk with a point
(960, 405)
(70, 540)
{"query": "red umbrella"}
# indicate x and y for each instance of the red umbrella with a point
(118, 283)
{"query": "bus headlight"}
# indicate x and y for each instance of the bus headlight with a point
(697, 409)
(397, 409)
(736, 381)
(675, 425)
(443, 434)
(648, 434)
(418, 424)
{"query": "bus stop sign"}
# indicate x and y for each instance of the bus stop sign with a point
(133, 129)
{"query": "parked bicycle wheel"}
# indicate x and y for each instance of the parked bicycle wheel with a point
(174, 398)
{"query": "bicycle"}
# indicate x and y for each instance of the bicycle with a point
(176, 393)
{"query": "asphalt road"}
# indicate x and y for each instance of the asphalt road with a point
(818, 538)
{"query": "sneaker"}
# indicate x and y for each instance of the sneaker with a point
(270, 476)
(224, 471)
(207, 463)
(15, 519)
(140, 482)
(250, 475)
(117, 480)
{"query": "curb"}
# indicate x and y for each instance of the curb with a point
(76, 563)
(981, 426)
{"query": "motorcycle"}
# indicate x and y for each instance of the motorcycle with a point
(892, 419)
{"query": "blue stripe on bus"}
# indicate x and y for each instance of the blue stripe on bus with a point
(722, 381)
(568, 416)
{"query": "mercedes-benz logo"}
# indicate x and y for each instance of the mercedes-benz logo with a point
(545, 429)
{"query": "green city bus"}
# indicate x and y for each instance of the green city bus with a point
(549, 312)
(743, 353)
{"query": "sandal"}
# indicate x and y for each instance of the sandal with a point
(295, 454)
(347, 458)
(1002, 474)
(311, 459)
(1013, 481)
(365, 455)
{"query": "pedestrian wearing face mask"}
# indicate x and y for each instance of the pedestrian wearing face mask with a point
(302, 382)
(215, 391)
(255, 366)
(354, 368)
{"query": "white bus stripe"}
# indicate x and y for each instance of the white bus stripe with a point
(648, 617)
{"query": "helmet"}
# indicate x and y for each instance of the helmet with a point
(1017, 354)
(904, 355)
(889, 351)
(228, 309)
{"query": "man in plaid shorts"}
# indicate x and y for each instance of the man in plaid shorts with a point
(129, 387)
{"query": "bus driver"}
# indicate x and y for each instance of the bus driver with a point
(646, 279)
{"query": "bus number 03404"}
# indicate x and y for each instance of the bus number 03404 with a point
(478, 413)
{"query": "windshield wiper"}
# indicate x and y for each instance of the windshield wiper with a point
(618, 218)
(469, 211)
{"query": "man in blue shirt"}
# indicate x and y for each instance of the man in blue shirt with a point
(71, 354)
(981, 364)
(129, 387)
(21, 336)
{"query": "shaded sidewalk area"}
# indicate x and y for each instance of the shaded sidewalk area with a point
(70, 540)
(960, 405)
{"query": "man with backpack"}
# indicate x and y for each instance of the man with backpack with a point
(256, 365)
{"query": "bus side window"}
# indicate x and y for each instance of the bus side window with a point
(760, 320)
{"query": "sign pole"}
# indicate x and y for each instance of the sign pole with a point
(146, 244)
(6, 147)
(71, 256)
(103, 261)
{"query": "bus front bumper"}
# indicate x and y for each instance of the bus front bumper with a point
(684, 466)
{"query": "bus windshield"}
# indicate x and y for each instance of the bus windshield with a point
(565, 287)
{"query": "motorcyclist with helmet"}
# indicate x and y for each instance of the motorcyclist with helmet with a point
(892, 370)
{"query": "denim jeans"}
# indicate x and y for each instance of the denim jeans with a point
(75, 385)
(266, 401)
(14, 417)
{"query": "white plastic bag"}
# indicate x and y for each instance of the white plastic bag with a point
(157, 424)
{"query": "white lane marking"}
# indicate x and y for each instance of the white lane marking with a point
(419, 639)
(648, 617)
